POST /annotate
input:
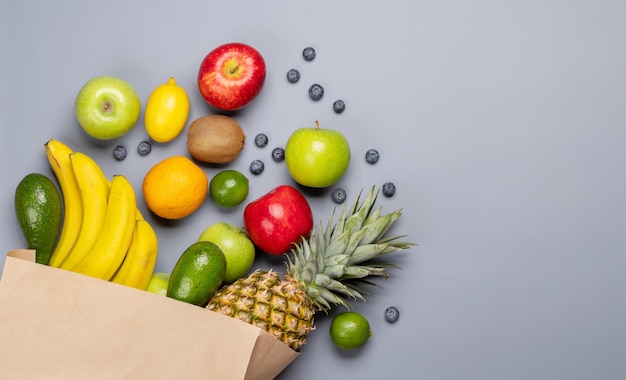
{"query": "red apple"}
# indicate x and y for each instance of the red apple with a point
(231, 76)
(278, 219)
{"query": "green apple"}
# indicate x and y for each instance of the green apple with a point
(235, 244)
(317, 157)
(107, 107)
(158, 283)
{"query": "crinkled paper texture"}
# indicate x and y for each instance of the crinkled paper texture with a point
(55, 324)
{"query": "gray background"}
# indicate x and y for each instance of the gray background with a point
(501, 123)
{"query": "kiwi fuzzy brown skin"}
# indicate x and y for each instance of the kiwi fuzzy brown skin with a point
(215, 139)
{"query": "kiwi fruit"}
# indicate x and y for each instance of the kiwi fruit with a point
(215, 139)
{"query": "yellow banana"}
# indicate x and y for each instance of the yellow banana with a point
(59, 158)
(138, 265)
(107, 253)
(94, 188)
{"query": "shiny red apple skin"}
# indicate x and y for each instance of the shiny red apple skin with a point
(278, 219)
(231, 76)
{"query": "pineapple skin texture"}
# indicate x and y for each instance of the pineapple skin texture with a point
(263, 299)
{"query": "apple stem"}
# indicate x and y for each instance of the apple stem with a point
(107, 107)
(317, 124)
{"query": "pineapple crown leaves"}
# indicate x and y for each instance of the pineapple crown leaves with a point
(331, 266)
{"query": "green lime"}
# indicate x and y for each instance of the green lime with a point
(229, 188)
(349, 330)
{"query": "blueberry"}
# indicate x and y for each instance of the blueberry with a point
(316, 92)
(278, 154)
(256, 167)
(144, 148)
(392, 314)
(339, 106)
(120, 152)
(389, 189)
(308, 53)
(293, 76)
(372, 156)
(338, 195)
(261, 140)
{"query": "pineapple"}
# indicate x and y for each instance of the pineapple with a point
(325, 270)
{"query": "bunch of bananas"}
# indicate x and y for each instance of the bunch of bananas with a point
(103, 233)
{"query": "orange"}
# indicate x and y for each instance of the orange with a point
(175, 187)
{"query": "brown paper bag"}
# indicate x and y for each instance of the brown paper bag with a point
(56, 324)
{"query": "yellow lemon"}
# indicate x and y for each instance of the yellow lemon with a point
(166, 112)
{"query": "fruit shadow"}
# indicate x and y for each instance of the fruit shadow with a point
(313, 192)
(207, 165)
(354, 353)
(163, 221)
(210, 110)
(265, 261)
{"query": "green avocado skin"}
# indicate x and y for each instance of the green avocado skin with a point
(198, 273)
(38, 209)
